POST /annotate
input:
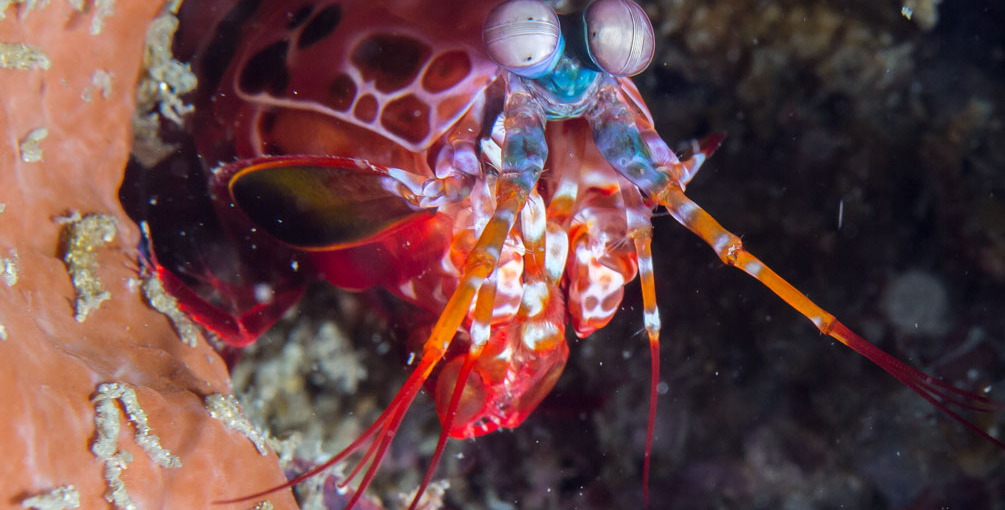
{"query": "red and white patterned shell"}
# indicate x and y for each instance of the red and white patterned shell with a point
(391, 82)
(325, 76)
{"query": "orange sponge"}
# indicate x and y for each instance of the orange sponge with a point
(92, 379)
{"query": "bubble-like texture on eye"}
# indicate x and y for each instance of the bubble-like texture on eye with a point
(524, 37)
(619, 36)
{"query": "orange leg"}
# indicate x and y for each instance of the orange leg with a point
(730, 250)
(480, 331)
(524, 153)
(640, 230)
(616, 131)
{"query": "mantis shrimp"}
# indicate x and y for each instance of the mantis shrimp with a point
(535, 194)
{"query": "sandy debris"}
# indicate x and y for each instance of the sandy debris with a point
(166, 304)
(9, 271)
(163, 81)
(81, 237)
(30, 147)
(227, 409)
(102, 10)
(107, 421)
(21, 56)
(60, 498)
(101, 81)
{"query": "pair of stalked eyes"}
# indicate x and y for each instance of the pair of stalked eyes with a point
(525, 37)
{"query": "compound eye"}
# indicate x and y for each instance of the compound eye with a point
(523, 36)
(619, 36)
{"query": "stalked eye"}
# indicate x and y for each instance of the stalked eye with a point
(619, 36)
(524, 37)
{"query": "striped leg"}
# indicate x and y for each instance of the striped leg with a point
(730, 250)
(641, 232)
(630, 152)
(644, 160)
(480, 331)
(524, 153)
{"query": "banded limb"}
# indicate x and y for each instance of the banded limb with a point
(730, 250)
(480, 331)
(641, 232)
(642, 158)
(524, 153)
(630, 151)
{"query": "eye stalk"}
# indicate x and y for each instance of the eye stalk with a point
(619, 36)
(524, 37)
